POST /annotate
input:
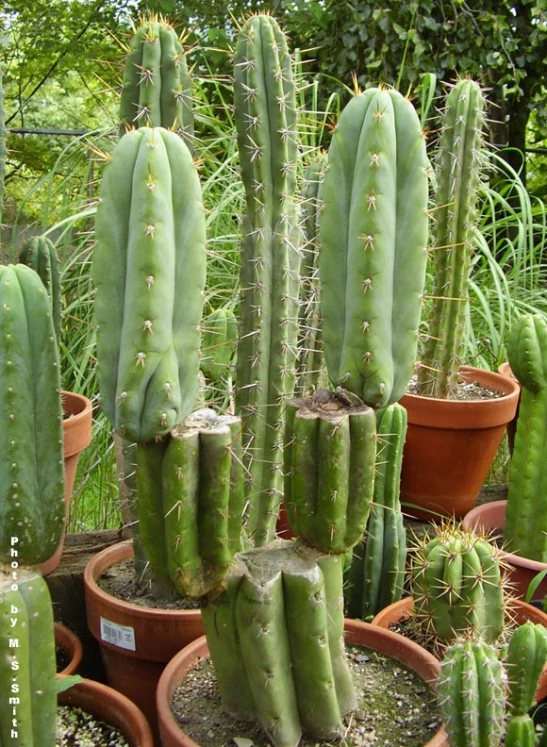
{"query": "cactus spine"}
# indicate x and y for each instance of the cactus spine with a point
(149, 269)
(40, 254)
(457, 586)
(459, 182)
(329, 471)
(27, 670)
(265, 115)
(157, 89)
(276, 641)
(310, 346)
(377, 571)
(526, 522)
(190, 488)
(373, 233)
(32, 501)
(471, 694)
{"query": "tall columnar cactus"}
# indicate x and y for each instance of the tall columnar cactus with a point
(265, 115)
(157, 88)
(40, 253)
(457, 585)
(471, 694)
(191, 501)
(32, 501)
(455, 216)
(329, 458)
(149, 269)
(524, 662)
(376, 575)
(27, 660)
(276, 641)
(526, 522)
(218, 342)
(310, 345)
(373, 233)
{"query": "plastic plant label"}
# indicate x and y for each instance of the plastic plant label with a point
(122, 636)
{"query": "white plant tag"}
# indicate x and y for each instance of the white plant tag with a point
(122, 636)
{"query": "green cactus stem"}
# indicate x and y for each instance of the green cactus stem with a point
(28, 694)
(329, 456)
(524, 662)
(457, 583)
(265, 116)
(373, 234)
(471, 694)
(376, 575)
(276, 642)
(526, 518)
(2, 150)
(157, 88)
(191, 501)
(32, 497)
(40, 254)
(149, 269)
(310, 346)
(458, 176)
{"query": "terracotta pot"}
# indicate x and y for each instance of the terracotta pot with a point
(76, 437)
(71, 646)
(450, 446)
(113, 708)
(519, 612)
(147, 638)
(490, 517)
(505, 370)
(356, 632)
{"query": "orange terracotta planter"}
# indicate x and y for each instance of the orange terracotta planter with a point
(356, 632)
(505, 370)
(147, 637)
(450, 446)
(113, 708)
(71, 646)
(76, 437)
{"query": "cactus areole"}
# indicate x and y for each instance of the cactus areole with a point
(149, 269)
(373, 233)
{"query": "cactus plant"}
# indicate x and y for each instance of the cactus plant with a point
(457, 584)
(458, 176)
(295, 678)
(376, 574)
(471, 694)
(526, 519)
(373, 234)
(32, 500)
(265, 116)
(218, 341)
(329, 458)
(2, 150)
(157, 89)
(310, 346)
(40, 253)
(524, 662)
(149, 269)
(190, 501)
(27, 660)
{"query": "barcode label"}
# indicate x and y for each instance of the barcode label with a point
(119, 635)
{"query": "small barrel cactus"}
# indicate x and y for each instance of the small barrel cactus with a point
(40, 254)
(157, 88)
(456, 581)
(149, 268)
(28, 694)
(526, 521)
(191, 501)
(471, 694)
(376, 576)
(32, 494)
(373, 234)
(329, 454)
(276, 642)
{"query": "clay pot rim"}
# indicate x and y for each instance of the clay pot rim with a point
(77, 428)
(182, 662)
(470, 522)
(71, 645)
(126, 715)
(109, 557)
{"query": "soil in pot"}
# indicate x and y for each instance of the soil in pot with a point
(395, 707)
(76, 728)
